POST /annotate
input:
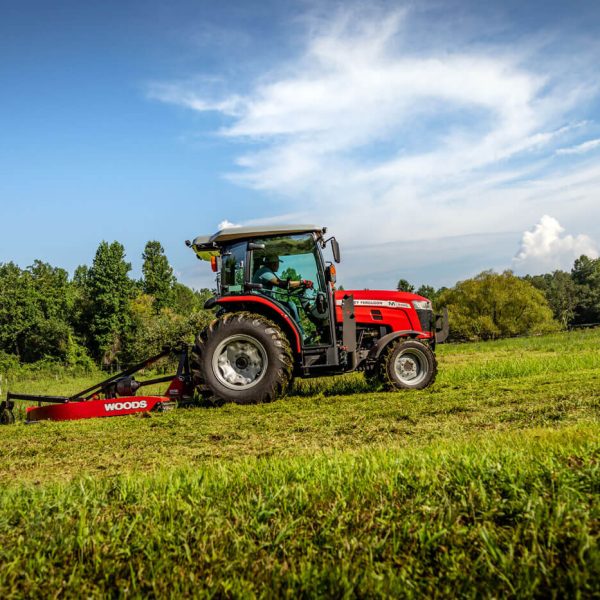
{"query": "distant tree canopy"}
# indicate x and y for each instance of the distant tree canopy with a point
(108, 289)
(427, 291)
(404, 286)
(573, 298)
(586, 275)
(35, 304)
(101, 313)
(158, 279)
(494, 305)
(561, 293)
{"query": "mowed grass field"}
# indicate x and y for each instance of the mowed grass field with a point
(485, 485)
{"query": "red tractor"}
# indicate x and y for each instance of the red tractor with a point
(279, 317)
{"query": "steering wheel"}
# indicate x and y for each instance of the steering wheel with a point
(299, 291)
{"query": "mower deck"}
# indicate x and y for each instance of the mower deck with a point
(91, 409)
(113, 397)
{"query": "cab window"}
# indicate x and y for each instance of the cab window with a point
(233, 268)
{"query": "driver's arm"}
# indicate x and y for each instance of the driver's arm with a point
(288, 284)
(285, 284)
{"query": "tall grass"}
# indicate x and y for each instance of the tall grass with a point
(515, 515)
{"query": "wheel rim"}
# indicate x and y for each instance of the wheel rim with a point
(239, 362)
(410, 366)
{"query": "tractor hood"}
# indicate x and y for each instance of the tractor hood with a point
(379, 298)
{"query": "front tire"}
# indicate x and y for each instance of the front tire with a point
(243, 358)
(408, 365)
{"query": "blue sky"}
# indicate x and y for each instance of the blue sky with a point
(435, 139)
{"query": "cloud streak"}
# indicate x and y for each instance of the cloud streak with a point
(580, 148)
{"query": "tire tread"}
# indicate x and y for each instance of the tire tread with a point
(280, 383)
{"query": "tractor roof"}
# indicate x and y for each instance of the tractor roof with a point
(239, 233)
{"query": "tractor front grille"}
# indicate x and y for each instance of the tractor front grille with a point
(426, 319)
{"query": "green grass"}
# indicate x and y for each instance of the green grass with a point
(487, 484)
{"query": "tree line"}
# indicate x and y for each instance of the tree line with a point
(494, 305)
(101, 314)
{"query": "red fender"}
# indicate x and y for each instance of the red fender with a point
(266, 302)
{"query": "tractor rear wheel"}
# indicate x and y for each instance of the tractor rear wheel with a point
(243, 358)
(408, 365)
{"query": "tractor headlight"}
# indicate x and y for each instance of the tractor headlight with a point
(422, 305)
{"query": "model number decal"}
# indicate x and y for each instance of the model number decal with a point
(384, 303)
(125, 405)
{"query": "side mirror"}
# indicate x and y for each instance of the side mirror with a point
(254, 246)
(335, 248)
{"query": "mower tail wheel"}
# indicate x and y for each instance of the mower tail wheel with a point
(407, 365)
(242, 357)
(7, 417)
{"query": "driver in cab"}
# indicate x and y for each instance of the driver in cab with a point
(267, 276)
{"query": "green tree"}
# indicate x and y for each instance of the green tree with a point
(158, 279)
(561, 292)
(151, 331)
(405, 286)
(291, 274)
(16, 310)
(52, 333)
(494, 305)
(586, 275)
(429, 292)
(109, 291)
(35, 310)
(187, 300)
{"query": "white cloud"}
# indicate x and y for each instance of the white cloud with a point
(226, 225)
(387, 144)
(353, 88)
(580, 148)
(546, 248)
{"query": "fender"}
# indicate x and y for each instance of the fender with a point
(270, 305)
(378, 348)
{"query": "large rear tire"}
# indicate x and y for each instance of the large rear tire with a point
(407, 365)
(243, 358)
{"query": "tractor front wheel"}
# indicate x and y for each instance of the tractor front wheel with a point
(243, 358)
(408, 365)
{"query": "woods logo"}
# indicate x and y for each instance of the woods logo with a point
(125, 405)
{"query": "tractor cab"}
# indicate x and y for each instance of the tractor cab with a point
(283, 266)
